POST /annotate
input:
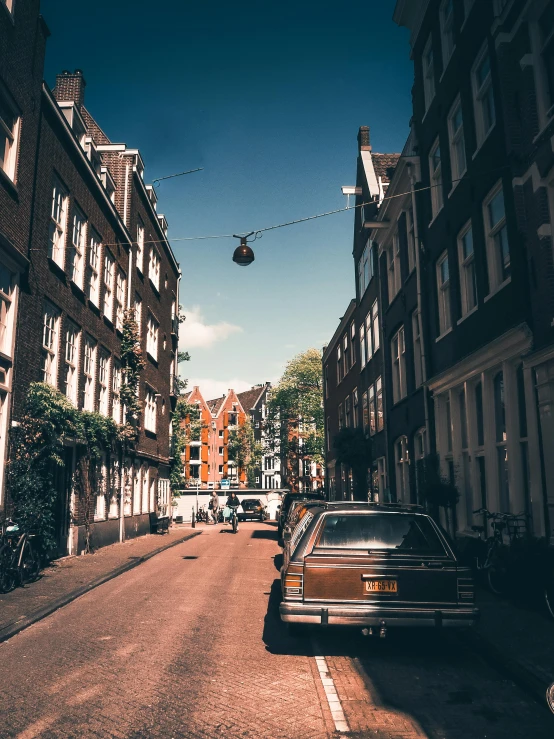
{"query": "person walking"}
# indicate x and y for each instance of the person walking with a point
(214, 504)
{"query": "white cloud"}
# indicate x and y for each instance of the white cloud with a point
(195, 332)
(211, 389)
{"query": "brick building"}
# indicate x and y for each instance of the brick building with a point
(465, 260)
(206, 460)
(23, 35)
(254, 402)
(83, 243)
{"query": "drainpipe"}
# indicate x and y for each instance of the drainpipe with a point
(419, 310)
(126, 196)
(381, 328)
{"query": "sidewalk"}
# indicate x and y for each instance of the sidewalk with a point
(518, 640)
(68, 578)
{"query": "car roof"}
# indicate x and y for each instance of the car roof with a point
(361, 507)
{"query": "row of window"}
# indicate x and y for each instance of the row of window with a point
(87, 273)
(497, 259)
(98, 371)
(398, 360)
(346, 353)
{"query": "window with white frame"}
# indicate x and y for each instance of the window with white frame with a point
(381, 479)
(428, 73)
(154, 268)
(71, 370)
(352, 344)
(363, 356)
(368, 336)
(416, 336)
(77, 250)
(89, 373)
(483, 96)
(447, 30)
(9, 135)
(345, 354)
(144, 478)
(379, 404)
(50, 343)
(546, 30)
(120, 295)
(457, 143)
(375, 325)
(496, 232)
(468, 278)
(138, 313)
(393, 265)
(58, 221)
(398, 355)
(150, 408)
(355, 418)
(443, 293)
(365, 411)
(103, 381)
(93, 268)
(410, 233)
(435, 173)
(365, 267)
(109, 274)
(372, 410)
(402, 460)
(140, 245)
(116, 391)
(7, 294)
(339, 364)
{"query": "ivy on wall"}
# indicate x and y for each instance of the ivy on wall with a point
(132, 363)
(49, 423)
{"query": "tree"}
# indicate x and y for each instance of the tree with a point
(354, 451)
(245, 450)
(295, 424)
(436, 490)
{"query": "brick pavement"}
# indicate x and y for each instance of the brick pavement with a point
(518, 637)
(65, 578)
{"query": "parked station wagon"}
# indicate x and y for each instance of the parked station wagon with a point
(372, 565)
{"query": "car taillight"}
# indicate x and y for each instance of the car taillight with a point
(466, 590)
(294, 583)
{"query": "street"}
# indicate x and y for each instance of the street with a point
(189, 644)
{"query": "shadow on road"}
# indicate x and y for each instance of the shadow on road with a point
(264, 534)
(278, 561)
(275, 635)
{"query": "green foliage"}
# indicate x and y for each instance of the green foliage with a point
(436, 490)
(187, 426)
(245, 450)
(49, 421)
(295, 410)
(132, 363)
(354, 450)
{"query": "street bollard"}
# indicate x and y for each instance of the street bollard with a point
(193, 520)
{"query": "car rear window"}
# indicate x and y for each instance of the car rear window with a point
(378, 531)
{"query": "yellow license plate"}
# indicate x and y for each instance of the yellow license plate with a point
(381, 586)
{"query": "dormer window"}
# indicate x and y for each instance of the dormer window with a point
(108, 182)
(75, 120)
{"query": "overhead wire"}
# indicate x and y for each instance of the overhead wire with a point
(258, 232)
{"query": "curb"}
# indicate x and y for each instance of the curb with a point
(534, 685)
(15, 628)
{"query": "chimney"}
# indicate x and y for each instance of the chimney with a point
(363, 139)
(70, 87)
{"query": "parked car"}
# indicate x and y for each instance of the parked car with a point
(251, 508)
(374, 565)
(288, 500)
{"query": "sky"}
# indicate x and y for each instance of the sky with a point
(268, 99)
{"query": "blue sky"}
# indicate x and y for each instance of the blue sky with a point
(268, 98)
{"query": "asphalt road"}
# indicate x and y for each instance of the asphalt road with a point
(189, 644)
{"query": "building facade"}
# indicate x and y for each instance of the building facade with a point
(254, 402)
(23, 35)
(83, 244)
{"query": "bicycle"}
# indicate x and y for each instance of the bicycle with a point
(494, 560)
(19, 562)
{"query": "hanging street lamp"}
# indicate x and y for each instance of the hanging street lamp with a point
(243, 254)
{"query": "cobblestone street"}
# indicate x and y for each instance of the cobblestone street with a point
(189, 644)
